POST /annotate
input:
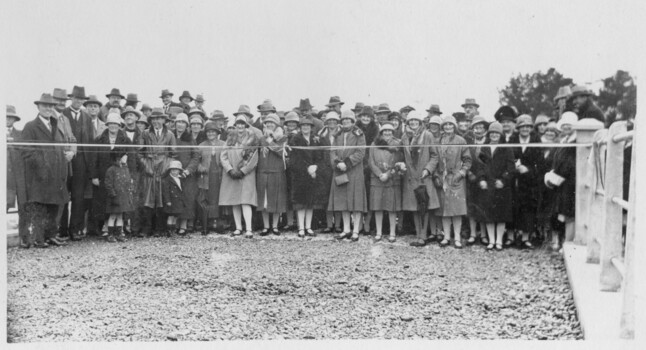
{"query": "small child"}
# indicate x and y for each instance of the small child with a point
(118, 186)
(172, 196)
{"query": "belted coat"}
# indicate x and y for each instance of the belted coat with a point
(155, 161)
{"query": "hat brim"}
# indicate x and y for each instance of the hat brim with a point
(470, 104)
(164, 116)
(245, 113)
(434, 111)
(168, 94)
(334, 104)
(383, 112)
(123, 114)
(13, 116)
(197, 112)
(46, 103)
(88, 102)
(121, 96)
(74, 96)
(145, 109)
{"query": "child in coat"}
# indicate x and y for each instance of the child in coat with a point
(118, 186)
(172, 196)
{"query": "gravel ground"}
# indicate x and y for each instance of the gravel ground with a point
(217, 287)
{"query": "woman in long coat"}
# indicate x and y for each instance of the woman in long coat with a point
(434, 221)
(348, 192)
(367, 123)
(333, 219)
(239, 161)
(562, 177)
(476, 203)
(527, 181)
(454, 164)
(189, 157)
(421, 159)
(271, 181)
(386, 166)
(209, 177)
(311, 175)
(496, 182)
(114, 137)
(544, 217)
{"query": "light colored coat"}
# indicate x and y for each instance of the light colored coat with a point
(239, 191)
(350, 196)
(426, 159)
(453, 159)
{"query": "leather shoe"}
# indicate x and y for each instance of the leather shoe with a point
(56, 242)
(24, 245)
(75, 236)
(41, 245)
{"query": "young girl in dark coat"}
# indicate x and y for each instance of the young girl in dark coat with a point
(118, 189)
(172, 196)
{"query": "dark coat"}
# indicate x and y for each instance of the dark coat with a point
(498, 205)
(271, 181)
(210, 178)
(104, 158)
(45, 167)
(190, 158)
(546, 195)
(590, 110)
(16, 185)
(565, 166)
(476, 198)
(133, 165)
(527, 185)
(308, 193)
(154, 162)
(82, 163)
(173, 197)
(118, 188)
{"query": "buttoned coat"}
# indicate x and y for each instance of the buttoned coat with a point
(174, 200)
(271, 181)
(417, 159)
(190, 158)
(16, 186)
(155, 161)
(307, 192)
(385, 195)
(350, 196)
(498, 205)
(453, 158)
(45, 167)
(209, 176)
(245, 159)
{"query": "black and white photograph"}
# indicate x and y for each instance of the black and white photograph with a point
(289, 173)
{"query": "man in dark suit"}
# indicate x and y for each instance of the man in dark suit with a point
(45, 172)
(16, 189)
(584, 106)
(114, 101)
(167, 100)
(81, 125)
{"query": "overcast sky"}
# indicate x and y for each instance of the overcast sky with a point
(235, 52)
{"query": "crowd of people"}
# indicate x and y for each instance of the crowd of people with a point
(83, 167)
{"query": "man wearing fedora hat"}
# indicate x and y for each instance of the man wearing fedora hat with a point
(335, 104)
(185, 100)
(405, 110)
(167, 100)
(470, 109)
(199, 103)
(114, 101)
(306, 110)
(46, 172)
(562, 102)
(132, 100)
(78, 181)
(266, 108)
(16, 186)
(155, 162)
(434, 110)
(584, 106)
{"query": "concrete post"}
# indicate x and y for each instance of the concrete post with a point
(585, 129)
(594, 220)
(611, 241)
(628, 286)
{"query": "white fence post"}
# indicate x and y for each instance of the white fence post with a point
(594, 219)
(585, 130)
(628, 286)
(611, 241)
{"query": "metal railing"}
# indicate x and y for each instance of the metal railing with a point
(602, 213)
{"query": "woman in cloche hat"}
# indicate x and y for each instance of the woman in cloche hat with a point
(239, 161)
(497, 182)
(454, 164)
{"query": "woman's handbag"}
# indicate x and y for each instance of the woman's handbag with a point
(341, 179)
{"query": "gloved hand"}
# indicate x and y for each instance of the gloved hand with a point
(499, 184)
(483, 185)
